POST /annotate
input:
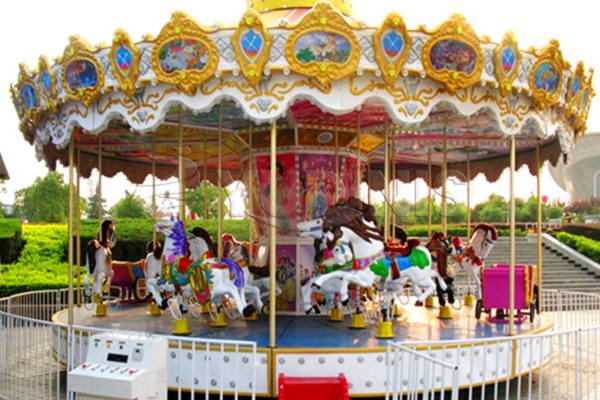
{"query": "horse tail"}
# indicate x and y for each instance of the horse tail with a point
(238, 273)
(91, 256)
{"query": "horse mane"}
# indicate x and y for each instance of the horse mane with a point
(203, 234)
(399, 233)
(179, 238)
(91, 249)
(106, 229)
(350, 214)
(488, 228)
(438, 244)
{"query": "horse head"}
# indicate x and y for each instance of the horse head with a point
(201, 244)
(483, 239)
(312, 228)
(239, 253)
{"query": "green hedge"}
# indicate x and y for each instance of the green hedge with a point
(11, 241)
(42, 263)
(591, 231)
(456, 230)
(133, 234)
(588, 247)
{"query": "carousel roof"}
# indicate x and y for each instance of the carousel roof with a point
(322, 75)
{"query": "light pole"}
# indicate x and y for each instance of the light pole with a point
(595, 181)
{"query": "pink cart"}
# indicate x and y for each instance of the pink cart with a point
(495, 293)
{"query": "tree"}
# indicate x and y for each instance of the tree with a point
(194, 199)
(131, 206)
(494, 210)
(47, 200)
(91, 211)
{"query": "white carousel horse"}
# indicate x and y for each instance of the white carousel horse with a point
(354, 222)
(201, 278)
(471, 258)
(99, 261)
(255, 288)
(328, 282)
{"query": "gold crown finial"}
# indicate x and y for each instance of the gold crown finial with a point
(345, 6)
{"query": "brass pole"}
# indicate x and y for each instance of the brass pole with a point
(250, 193)
(100, 216)
(429, 184)
(468, 195)
(511, 293)
(444, 178)
(337, 164)
(78, 233)
(358, 174)
(272, 234)
(539, 222)
(181, 169)
(205, 181)
(369, 183)
(220, 186)
(393, 159)
(386, 182)
(153, 188)
(70, 250)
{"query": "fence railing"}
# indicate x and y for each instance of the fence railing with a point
(35, 356)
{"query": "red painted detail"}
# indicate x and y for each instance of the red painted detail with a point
(313, 388)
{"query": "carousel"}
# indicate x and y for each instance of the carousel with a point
(307, 105)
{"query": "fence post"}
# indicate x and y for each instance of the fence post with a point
(578, 364)
(454, 395)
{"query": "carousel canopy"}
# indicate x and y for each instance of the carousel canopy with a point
(327, 80)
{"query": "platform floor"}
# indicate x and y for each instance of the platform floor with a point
(415, 324)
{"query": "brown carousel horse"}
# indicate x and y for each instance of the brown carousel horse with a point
(440, 248)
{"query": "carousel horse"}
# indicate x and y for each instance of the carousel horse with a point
(470, 258)
(198, 277)
(256, 287)
(327, 281)
(440, 248)
(354, 221)
(99, 261)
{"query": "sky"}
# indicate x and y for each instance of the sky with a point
(31, 28)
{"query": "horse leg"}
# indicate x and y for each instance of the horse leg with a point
(254, 293)
(440, 294)
(245, 309)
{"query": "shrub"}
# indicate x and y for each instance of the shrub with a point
(588, 247)
(591, 231)
(11, 241)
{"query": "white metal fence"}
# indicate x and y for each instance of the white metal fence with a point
(35, 355)
(562, 364)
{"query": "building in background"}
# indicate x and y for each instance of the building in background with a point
(581, 176)
(3, 171)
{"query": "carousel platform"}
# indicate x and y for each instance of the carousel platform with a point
(309, 346)
(414, 324)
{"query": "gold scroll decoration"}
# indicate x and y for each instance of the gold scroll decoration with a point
(47, 83)
(82, 76)
(547, 75)
(391, 42)
(124, 58)
(507, 59)
(252, 43)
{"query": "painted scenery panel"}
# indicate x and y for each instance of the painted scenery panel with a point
(285, 187)
(181, 55)
(286, 277)
(81, 74)
(546, 77)
(453, 55)
(322, 46)
(317, 182)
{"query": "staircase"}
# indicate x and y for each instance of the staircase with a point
(558, 271)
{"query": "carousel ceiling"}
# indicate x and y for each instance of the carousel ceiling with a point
(326, 80)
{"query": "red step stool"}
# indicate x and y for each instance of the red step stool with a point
(313, 388)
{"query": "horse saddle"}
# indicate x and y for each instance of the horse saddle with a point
(260, 272)
(397, 249)
(183, 264)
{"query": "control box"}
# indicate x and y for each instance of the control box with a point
(121, 366)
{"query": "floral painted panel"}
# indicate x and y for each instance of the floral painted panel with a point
(251, 43)
(322, 46)
(181, 55)
(124, 60)
(453, 55)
